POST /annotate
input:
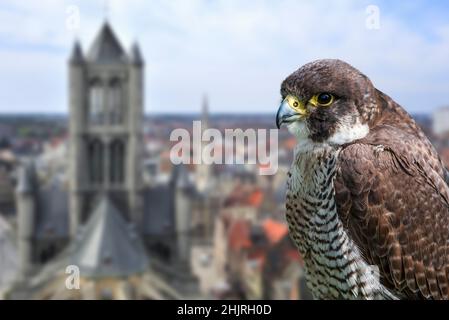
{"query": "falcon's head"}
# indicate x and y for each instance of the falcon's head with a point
(327, 101)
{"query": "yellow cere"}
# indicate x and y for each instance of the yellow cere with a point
(296, 104)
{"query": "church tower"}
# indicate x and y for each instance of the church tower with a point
(105, 127)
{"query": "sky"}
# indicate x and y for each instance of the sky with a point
(236, 52)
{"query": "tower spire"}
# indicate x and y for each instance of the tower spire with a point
(205, 112)
(77, 53)
(106, 10)
(136, 56)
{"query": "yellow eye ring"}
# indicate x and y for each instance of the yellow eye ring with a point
(323, 99)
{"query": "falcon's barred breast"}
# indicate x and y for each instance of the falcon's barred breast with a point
(367, 198)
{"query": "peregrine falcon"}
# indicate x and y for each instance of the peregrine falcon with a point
(367, 199)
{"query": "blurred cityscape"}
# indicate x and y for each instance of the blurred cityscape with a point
(95, 189)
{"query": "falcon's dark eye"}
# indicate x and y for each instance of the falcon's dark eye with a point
(324, 99)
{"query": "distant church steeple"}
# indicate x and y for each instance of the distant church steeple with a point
(202, 219)
(203, 170)
(205, 113)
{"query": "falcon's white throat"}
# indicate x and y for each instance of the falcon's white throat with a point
(347, 133)
(299, 130)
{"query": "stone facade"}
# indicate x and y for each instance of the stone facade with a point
(105, 151)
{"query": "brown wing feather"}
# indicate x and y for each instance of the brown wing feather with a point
(394, 203)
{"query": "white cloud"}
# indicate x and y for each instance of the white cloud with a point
(237, 51)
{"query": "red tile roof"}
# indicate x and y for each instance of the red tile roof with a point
(274, 230)
(239, 235)
(245, 196)
(255, 199)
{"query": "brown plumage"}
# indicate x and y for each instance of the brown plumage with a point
(390, 186)
(395, 203)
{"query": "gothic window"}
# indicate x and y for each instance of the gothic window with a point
(115, 102)
(117, 154)
(96, 102)
(95, 156)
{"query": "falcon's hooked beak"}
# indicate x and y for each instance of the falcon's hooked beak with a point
(290, 110)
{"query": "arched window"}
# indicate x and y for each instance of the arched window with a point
(95, 156)
(115, 102)
(96, 102)
(117, 152)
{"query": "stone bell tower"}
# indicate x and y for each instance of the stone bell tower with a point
(105, 127)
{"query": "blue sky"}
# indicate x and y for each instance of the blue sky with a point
(237, 52)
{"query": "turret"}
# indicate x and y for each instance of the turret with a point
(76, 57)
(77, 109)
(183, 191)
(136, 56)
(136, 114)
(26, 211)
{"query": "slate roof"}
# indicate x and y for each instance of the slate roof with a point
(159, 202)
(108, 246)
(52, 207)
(53, 211)
(106, 48)
(159, 216)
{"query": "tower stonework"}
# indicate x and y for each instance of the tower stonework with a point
(26, 210)
(77, 106)
(105, 127)
(136, 102)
